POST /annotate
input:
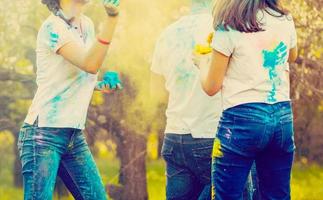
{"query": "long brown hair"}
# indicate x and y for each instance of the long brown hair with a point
(241, 15)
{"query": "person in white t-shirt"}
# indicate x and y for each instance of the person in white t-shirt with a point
(51, 142)
(192, 116)
(253, 43)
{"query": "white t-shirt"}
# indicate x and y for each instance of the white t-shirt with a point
(190, 110)
(64, 91)
(258, 66)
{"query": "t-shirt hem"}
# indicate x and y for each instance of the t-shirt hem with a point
(228, 105)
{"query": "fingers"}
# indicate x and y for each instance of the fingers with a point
(113, 2)
(119, 86)
(108, 89)
(196, 60)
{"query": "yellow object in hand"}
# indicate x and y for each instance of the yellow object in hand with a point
(210, 38)
(204, 49)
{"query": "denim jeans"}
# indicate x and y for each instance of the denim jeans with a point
(48, 152)
(188, 168)
(248, 133)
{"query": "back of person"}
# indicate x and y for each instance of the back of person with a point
(258, 69)
(192, 116)
(253, 42)
(190, 110)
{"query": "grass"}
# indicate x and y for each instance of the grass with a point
(307, 181)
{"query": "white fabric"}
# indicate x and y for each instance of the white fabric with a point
(190, 110)
(64, 91)
(258, 66)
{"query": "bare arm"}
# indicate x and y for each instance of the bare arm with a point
(92, 59)
(212, 72)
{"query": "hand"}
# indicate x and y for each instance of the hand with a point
(111, 7)
(106, 88)
(110, 83)
(201, 60)
(202, 53)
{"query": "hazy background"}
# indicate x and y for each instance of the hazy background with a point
(125, 130)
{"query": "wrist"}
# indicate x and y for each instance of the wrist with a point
(112, 12)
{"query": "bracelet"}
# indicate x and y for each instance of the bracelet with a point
(103, 41)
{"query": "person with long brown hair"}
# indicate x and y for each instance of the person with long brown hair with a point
(254, 42)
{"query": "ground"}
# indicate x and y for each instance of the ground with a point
(307, 180)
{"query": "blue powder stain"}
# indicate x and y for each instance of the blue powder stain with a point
(112, 79)
(183, 76)
(53, 36)
(273, 59)
(57, 102)
(220, 28)
(51, 118)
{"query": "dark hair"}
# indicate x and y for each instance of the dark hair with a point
(52, 5)
(241, 15)
(55, 8)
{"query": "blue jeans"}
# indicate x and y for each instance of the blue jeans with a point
(188, 168)
(248, 133)
(48, 152)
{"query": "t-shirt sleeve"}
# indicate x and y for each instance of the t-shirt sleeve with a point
(293, 37)
(55, 35)
(222, 42)
(159, 60)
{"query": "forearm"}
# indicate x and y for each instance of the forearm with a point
(208, 82)
(212, 72)
(90, 60)
(95, 56)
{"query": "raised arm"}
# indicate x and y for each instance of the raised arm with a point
(91, 60)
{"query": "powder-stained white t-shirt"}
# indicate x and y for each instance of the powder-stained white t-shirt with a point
(258, 66)
(190, 110)
(64, 91)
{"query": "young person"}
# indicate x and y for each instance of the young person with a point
(51, 142)
(254, 42)
(192, 116)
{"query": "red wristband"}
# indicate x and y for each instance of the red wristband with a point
(103, 42)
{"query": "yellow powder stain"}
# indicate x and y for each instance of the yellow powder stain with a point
(217, 153)
(203, 49)
(213, 192)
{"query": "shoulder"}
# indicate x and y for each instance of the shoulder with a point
(88, 20)
(171, 30)
(53, 24)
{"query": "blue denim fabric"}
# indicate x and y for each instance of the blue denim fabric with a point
(188, 168)
(48, 152)
(255, 132)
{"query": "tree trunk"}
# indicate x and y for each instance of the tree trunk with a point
(131, 150)
(17, 176)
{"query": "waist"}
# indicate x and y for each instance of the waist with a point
(259, 112)
(185, 138)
